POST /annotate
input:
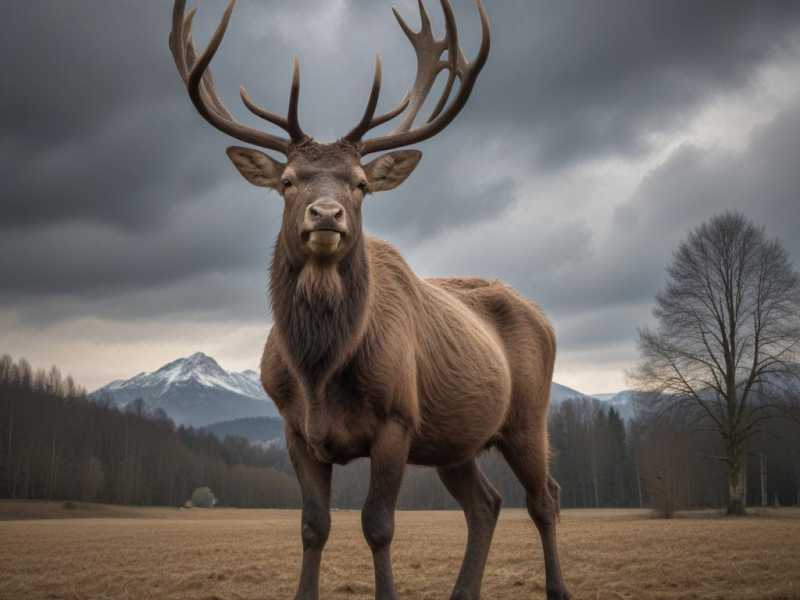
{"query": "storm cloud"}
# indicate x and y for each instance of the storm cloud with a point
(597, 135)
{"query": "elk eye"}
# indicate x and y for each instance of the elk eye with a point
(363, 186)
(287, 183)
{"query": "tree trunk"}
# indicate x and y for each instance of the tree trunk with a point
(797, 499)
(639, 484)
(51, 484)
(764, 499)
(736, 481)
(12, 472)
(27, 493)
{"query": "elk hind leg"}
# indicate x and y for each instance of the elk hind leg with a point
(481, 504)
(527, 455)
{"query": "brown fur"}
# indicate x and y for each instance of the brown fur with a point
(365, 359)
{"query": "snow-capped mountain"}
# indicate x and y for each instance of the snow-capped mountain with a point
(195, 391)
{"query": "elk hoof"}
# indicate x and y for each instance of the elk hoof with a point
(559, 594)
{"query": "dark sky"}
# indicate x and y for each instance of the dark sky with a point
(597, 136)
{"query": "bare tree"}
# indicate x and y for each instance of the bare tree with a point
(726, 345)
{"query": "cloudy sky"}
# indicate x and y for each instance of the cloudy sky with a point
(597, 136)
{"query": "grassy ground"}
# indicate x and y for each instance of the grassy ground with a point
(129, 553)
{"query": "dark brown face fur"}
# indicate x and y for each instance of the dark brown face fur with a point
(323, 189)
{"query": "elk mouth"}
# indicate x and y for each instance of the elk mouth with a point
(323, 242)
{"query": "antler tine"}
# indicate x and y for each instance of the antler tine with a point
(428, 51)
(262, 112)
(208, 80)
(429, 65)
(453, 55)
(385, 118)
(456, 64)
(200, 84)
(293, 127)
(448, 88)
(364, 125)
(425, 20)
(451, 34)
(185, 55)
(294, 123)
(176, 41)
(369, 121)
(410, 34)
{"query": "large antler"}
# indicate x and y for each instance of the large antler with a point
(429, 65)
(200, 84)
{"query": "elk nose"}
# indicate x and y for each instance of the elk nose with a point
(325, 212)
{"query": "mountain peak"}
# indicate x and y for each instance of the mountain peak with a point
(200, 359)
(193, 388)
(183, 368)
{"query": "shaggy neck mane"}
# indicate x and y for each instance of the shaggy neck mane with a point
(320, 310)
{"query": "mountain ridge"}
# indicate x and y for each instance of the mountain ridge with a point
(262, 431)
(196, 391)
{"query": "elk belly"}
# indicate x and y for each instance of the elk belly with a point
(464, 386)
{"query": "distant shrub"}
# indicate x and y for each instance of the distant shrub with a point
(69, 505)
(203, 497)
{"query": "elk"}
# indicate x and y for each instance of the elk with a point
(365, 359)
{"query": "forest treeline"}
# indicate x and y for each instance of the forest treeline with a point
(57, 444)
(602, 461)
(667, 461)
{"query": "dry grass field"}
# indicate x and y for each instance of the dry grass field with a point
(93, 552)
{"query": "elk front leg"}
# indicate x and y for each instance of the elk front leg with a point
(388, 462)
(315, 486)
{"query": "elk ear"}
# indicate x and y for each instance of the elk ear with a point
(390, 170)
(258, 168)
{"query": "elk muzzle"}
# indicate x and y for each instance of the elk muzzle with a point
(324, 226)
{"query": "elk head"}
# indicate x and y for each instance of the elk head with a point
(323, 185)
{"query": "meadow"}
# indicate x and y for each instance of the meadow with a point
(101, 552)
